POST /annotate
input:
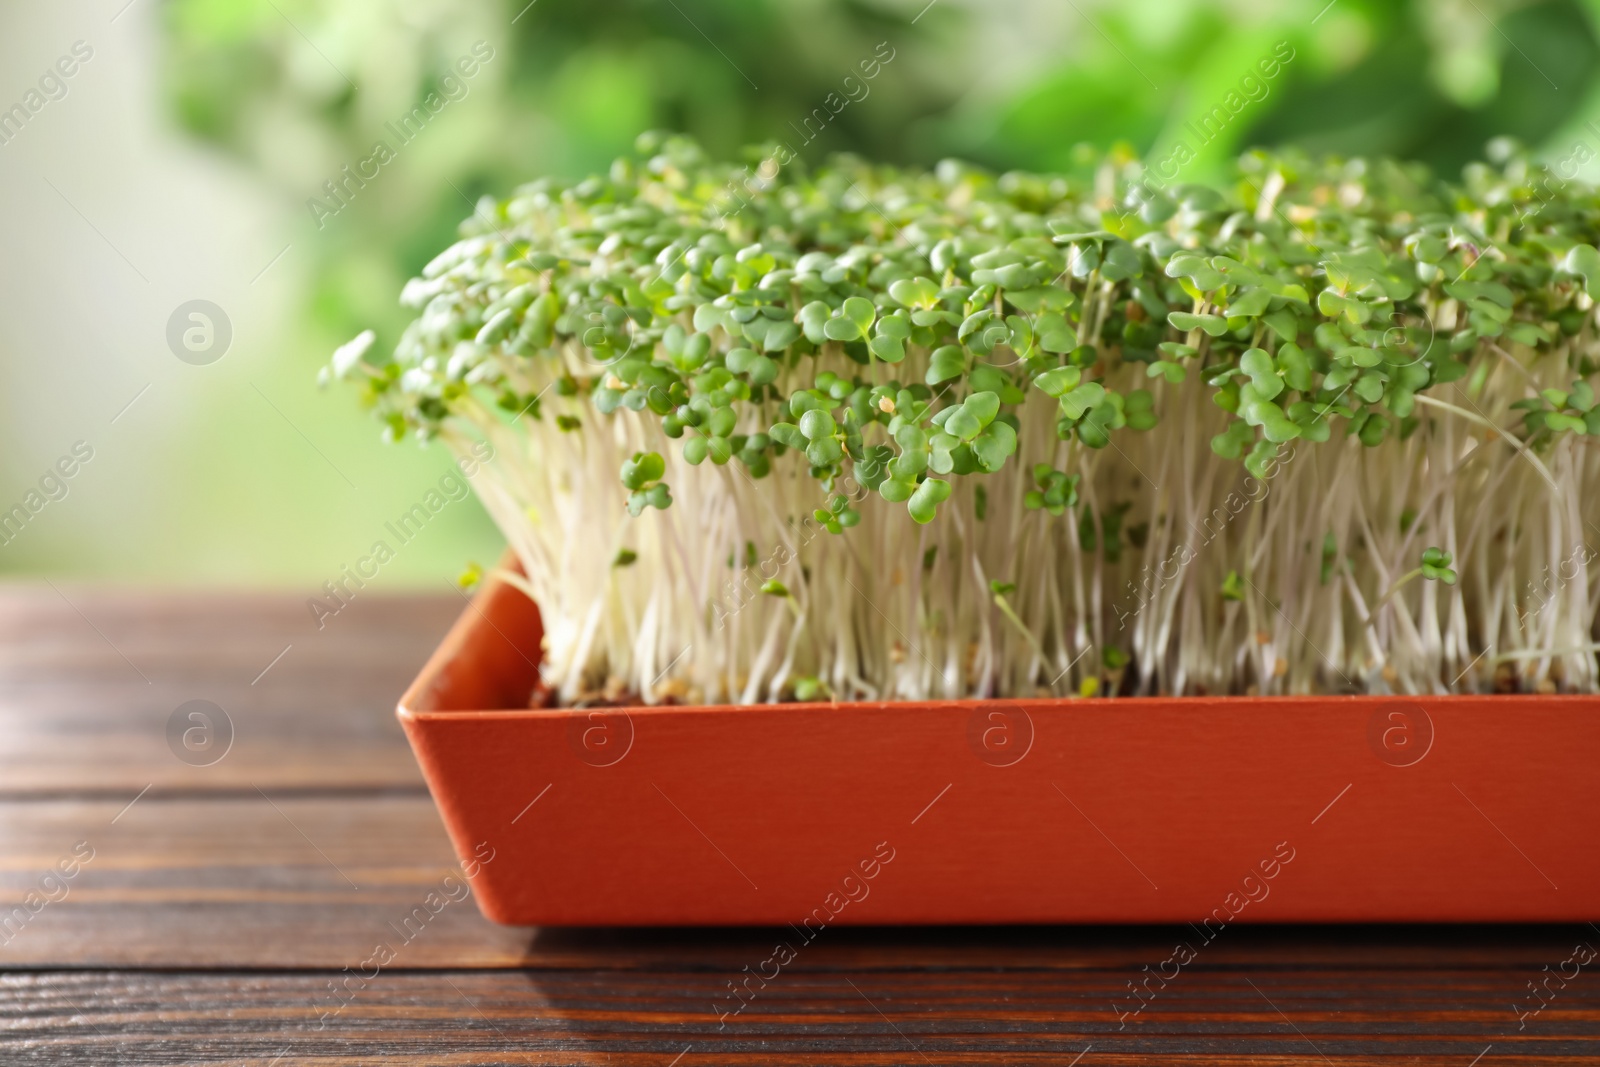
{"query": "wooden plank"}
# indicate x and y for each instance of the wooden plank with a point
(1279, 1015)
(90, 680)
(256, 880)
(266, 879)
(221, 901)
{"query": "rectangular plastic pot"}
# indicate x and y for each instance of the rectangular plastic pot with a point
(1200, 810)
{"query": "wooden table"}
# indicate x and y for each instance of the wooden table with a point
(223, 902)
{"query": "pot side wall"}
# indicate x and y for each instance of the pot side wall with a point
(1130, 810)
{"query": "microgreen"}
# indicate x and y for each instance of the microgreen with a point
(1436, 566)
(878, 385)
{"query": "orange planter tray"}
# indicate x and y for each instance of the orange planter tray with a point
(1129, 810)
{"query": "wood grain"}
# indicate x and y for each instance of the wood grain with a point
(884, 1016)
(88, 681)
(260, 880)
(218, 907)
(272, 880)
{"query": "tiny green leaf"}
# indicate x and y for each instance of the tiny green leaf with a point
(1172, 372)
(643, 469)
(946, 363)
(817, 424)
(1056, 382)
(925, 501)
(1263, 372)
(1080, 399)
(1584, 261)
(1215, 325)
(842, 329)
(915, 292)
(861, 312)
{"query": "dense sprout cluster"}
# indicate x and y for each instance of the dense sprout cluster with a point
(925, 340)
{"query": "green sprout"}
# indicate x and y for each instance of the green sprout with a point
(1056, 490)
(808, 688)
(642, 474)
(999, 592)
(862, 350)
(1330, 553)
(1436, 566)
(838, 516)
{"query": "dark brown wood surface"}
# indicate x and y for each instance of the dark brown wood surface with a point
(223, 903)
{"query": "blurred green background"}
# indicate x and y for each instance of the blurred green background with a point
(187, 158)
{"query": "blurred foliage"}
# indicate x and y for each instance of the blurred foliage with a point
(301, 88)
(1429, 80)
